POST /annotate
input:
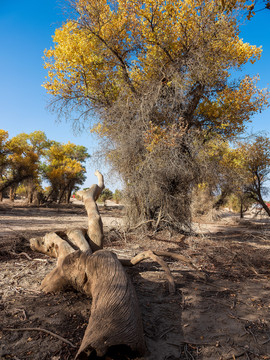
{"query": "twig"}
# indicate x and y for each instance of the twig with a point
(140, 224)
(20, 254)
(158, 220)
(187, 353)
(43, 330)
(265, 342)
(166, 332)
(233, 357)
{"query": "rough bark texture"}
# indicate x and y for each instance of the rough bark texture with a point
(115, 316)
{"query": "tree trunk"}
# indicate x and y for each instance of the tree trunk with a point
(61, 194)
(241, 210)
(12, 193)
(256, 195)
(30, 191)
(69, 191)
(266, 208)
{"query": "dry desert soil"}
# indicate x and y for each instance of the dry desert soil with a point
(220, 312)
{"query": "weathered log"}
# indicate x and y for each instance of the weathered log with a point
(115, 316)
(95, 226)
(77, 237)
(52, 245)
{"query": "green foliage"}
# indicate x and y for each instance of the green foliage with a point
(105, 195)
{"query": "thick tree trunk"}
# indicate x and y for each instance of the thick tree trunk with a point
(266, 208)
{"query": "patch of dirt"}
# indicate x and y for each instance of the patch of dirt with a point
(223, 314)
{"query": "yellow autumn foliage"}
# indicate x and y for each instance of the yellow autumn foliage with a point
(115, 50)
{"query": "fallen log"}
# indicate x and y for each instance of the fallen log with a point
(115, 315)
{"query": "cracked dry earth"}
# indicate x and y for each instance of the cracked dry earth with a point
(222, 316)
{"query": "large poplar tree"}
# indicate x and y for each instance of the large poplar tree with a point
(156, 74)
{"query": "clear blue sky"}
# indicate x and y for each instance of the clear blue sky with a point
(26, 29)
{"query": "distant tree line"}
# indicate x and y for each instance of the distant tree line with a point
(26, 160)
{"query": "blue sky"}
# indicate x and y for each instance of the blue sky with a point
(26, 29)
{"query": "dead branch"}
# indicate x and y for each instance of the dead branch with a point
(21, 254)
(95, 226)
(180, 258)
(149, 254)
(52, 245)
(155, 253)
(140, 224)
(77, 237)
(43, 330)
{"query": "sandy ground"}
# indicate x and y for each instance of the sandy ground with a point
(221, 312)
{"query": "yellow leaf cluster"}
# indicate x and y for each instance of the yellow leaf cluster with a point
(115, 48)
(135, 38)
(165, 136)
(232, 107)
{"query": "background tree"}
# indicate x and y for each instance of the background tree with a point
(242, 172)
(64, 169)
(157, 75)
(256, 165)
(3, 160)
(26, 151)
(106, 195)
